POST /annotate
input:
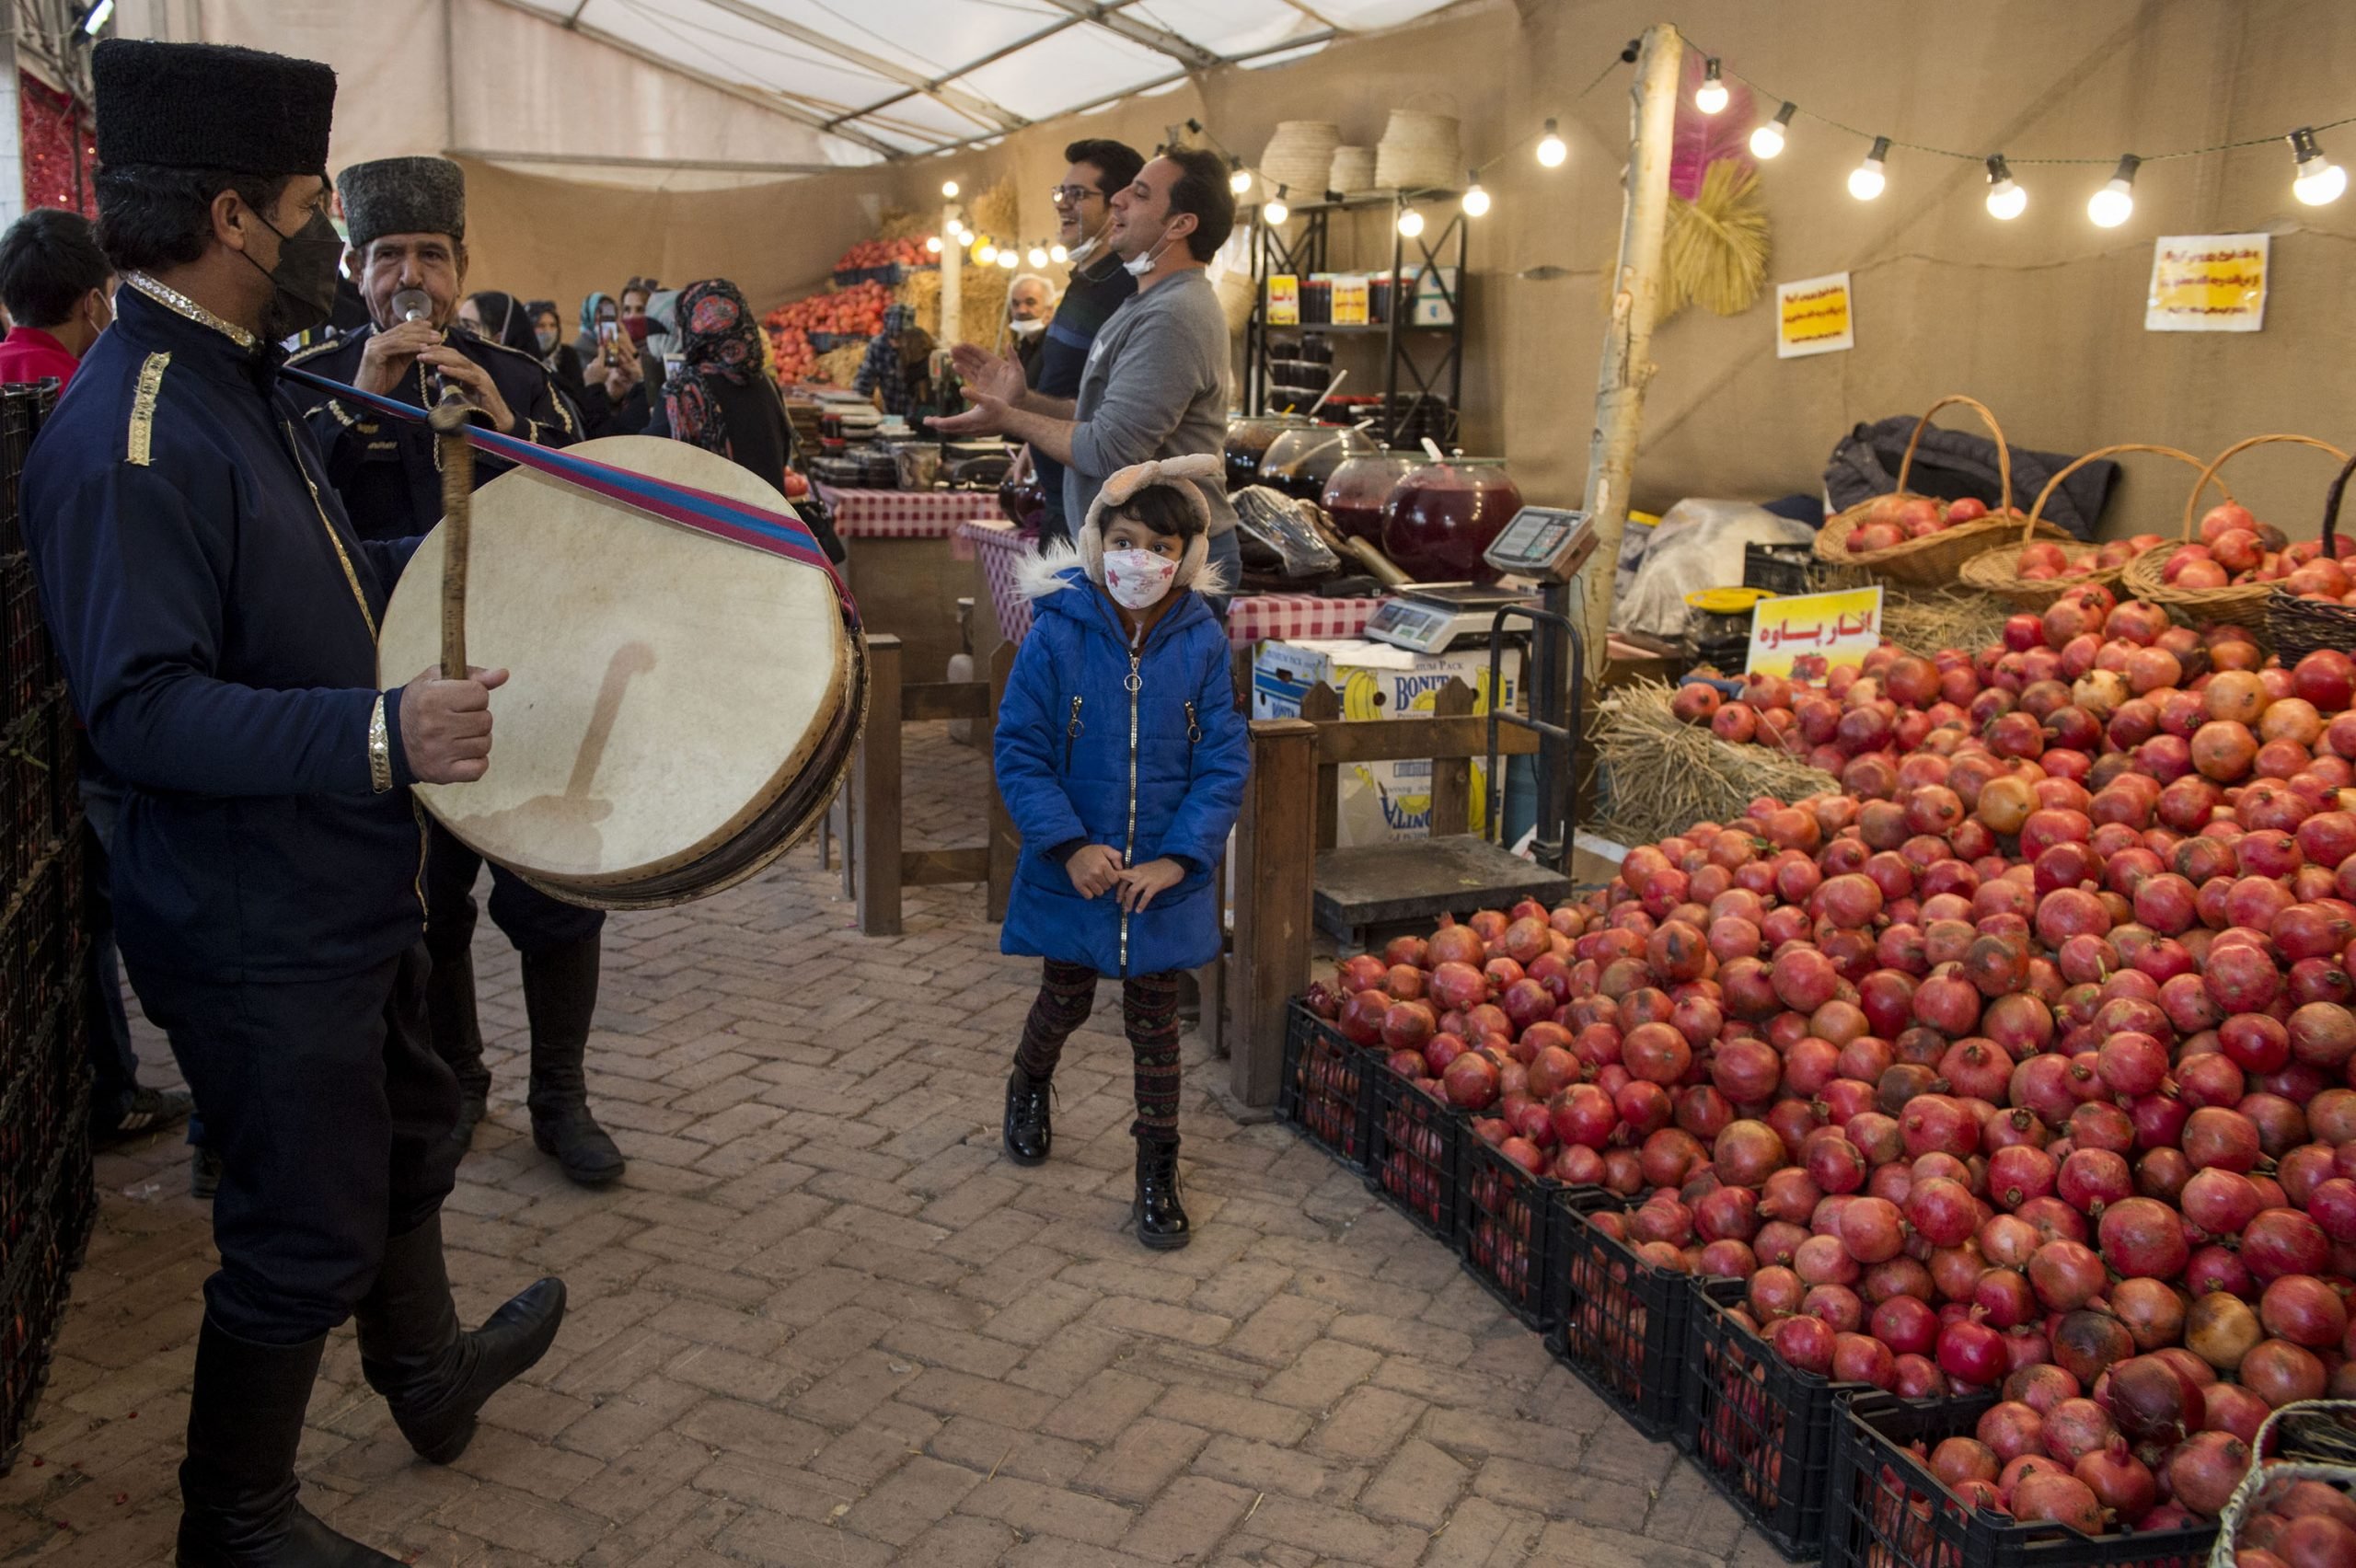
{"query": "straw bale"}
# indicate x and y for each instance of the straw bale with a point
(838, 367)
(1655, 775)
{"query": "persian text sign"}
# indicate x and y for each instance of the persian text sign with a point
(1813, 317)
(1807, 635)
(2207, 283)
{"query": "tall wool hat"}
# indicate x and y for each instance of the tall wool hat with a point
(416, 195)
(211, 105)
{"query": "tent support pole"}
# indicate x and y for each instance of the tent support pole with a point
(1627, 367)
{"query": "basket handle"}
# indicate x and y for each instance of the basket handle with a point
(2331, 507)
(2037, 508)
(2003, 450)
(2218, 462)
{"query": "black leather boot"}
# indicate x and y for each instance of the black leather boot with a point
(559, 997)
(237, 1488)
(458, 1036)
(1160, 1219)
(1030, 1133)
(412, 1352)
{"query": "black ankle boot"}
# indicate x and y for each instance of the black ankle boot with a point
(560, 997)
(412, 1352)
(457, 1037)
(1160, 1219)
(237, 1488)
(1030, 1134)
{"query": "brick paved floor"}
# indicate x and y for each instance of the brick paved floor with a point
(824, 1324)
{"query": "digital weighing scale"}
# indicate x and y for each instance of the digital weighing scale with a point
(1434, 617)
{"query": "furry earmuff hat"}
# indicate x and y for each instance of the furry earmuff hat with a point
(1185, 474)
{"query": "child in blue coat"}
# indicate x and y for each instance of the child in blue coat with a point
(1121, 757)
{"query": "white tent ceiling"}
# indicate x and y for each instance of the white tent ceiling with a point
(876, 79)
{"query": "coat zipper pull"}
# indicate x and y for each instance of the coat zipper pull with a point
(1071, 733)
(1193, 727)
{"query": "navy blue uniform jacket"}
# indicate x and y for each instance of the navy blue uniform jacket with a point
(388, 470)
(218, 618)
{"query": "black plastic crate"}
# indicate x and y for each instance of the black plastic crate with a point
(1886, 1510)
(1619, 1323)
(1413, 1141)
(64, 757)
(25, 662)
(1506, 1220)
(1324, 1088)
(32, 970)
(1762, 1430)
(1779, 569)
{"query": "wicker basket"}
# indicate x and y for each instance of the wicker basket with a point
(1997, 571)
(1937, 560)
(2312, 1440)
(2302, 625)
(2243, 604)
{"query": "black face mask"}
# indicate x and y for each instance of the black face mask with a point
(303, 280)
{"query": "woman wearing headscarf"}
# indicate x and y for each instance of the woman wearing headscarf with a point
(499, 318)
(613, 398)
(600, 319)
(662, 341)
(721, 397)
(562, 359)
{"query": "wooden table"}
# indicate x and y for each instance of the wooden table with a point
(908, 567)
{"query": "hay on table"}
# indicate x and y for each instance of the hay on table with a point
(1925, 623)
(839, 367)
(1655, 775)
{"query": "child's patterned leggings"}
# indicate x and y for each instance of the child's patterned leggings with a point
(1149, 1009)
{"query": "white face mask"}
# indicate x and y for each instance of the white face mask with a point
(1026, 329)
(1138, 579)
(1139, 267)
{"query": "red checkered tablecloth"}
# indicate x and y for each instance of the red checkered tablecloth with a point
(905, 514)
(1255, 617)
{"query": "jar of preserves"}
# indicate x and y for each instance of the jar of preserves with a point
(1299, 462)
(1358, 487)
(1248, 439)
(1440, 517)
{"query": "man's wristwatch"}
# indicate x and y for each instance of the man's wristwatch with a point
(380, 749)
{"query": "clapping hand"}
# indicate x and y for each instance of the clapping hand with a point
(992, 376)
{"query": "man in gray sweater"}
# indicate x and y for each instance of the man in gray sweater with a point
(1156, 382)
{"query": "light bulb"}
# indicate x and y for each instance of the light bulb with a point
(932, 243)
(1006, 259)
(949, 190)
(1038, 256)
(1058, 254)
(1768, 140)
(1476, 201)
(2115, 202)
(1240, 180)
(2319, 180)
(1865, 180)
(1711, 95)
(986, 253)
(1411, 223)
(2006, 198)
(1276, 211)
(1550, 151)
(957, 228)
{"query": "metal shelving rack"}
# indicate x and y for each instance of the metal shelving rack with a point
(1419, 361)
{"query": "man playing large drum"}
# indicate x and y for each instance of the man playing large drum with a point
(218, 618)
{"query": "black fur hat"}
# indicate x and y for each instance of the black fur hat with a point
(211, 105)
(414, 195)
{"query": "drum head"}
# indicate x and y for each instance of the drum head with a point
(666, 688)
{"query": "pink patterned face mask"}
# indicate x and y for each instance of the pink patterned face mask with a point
(1138, 579)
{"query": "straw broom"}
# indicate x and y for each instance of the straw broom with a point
(1716, 249)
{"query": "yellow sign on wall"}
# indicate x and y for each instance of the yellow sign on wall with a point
(1814, 315)
(2207, 283)
(1809, 634)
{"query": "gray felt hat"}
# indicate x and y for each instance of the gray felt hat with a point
(418, 195)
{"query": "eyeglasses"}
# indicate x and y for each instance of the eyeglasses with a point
(1072, 195)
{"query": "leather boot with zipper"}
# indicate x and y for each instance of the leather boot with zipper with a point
(458, 1036)
(1160, 1219)
(238, 1504)
(412, 1352)
(1030, 1132)
(559, 997)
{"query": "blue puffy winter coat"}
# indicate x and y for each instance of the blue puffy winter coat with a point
(1153, 769)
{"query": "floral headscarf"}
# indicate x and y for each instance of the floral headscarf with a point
(721, 341)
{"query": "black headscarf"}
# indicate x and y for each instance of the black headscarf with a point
(506, 320)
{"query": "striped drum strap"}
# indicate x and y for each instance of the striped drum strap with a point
(777, 534)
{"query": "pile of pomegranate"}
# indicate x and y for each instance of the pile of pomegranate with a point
(2023, 1065)
(1891, 520)
(2042, 561)
(2298, 1523)
(2236, 547)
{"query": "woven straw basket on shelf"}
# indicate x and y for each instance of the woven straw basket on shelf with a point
(2236, 604)
(2302, 625)
(1352, 170)
(1419, 151)
(1937, 560)
(1300, 157)
(1997, 570)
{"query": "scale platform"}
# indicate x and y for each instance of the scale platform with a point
(1434, 617)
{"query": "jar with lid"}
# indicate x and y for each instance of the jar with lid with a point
(1358, 487)
(1440, 517)
(1248, 439)
(1299, 462)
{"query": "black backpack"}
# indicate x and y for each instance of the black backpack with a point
(1952, 464)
